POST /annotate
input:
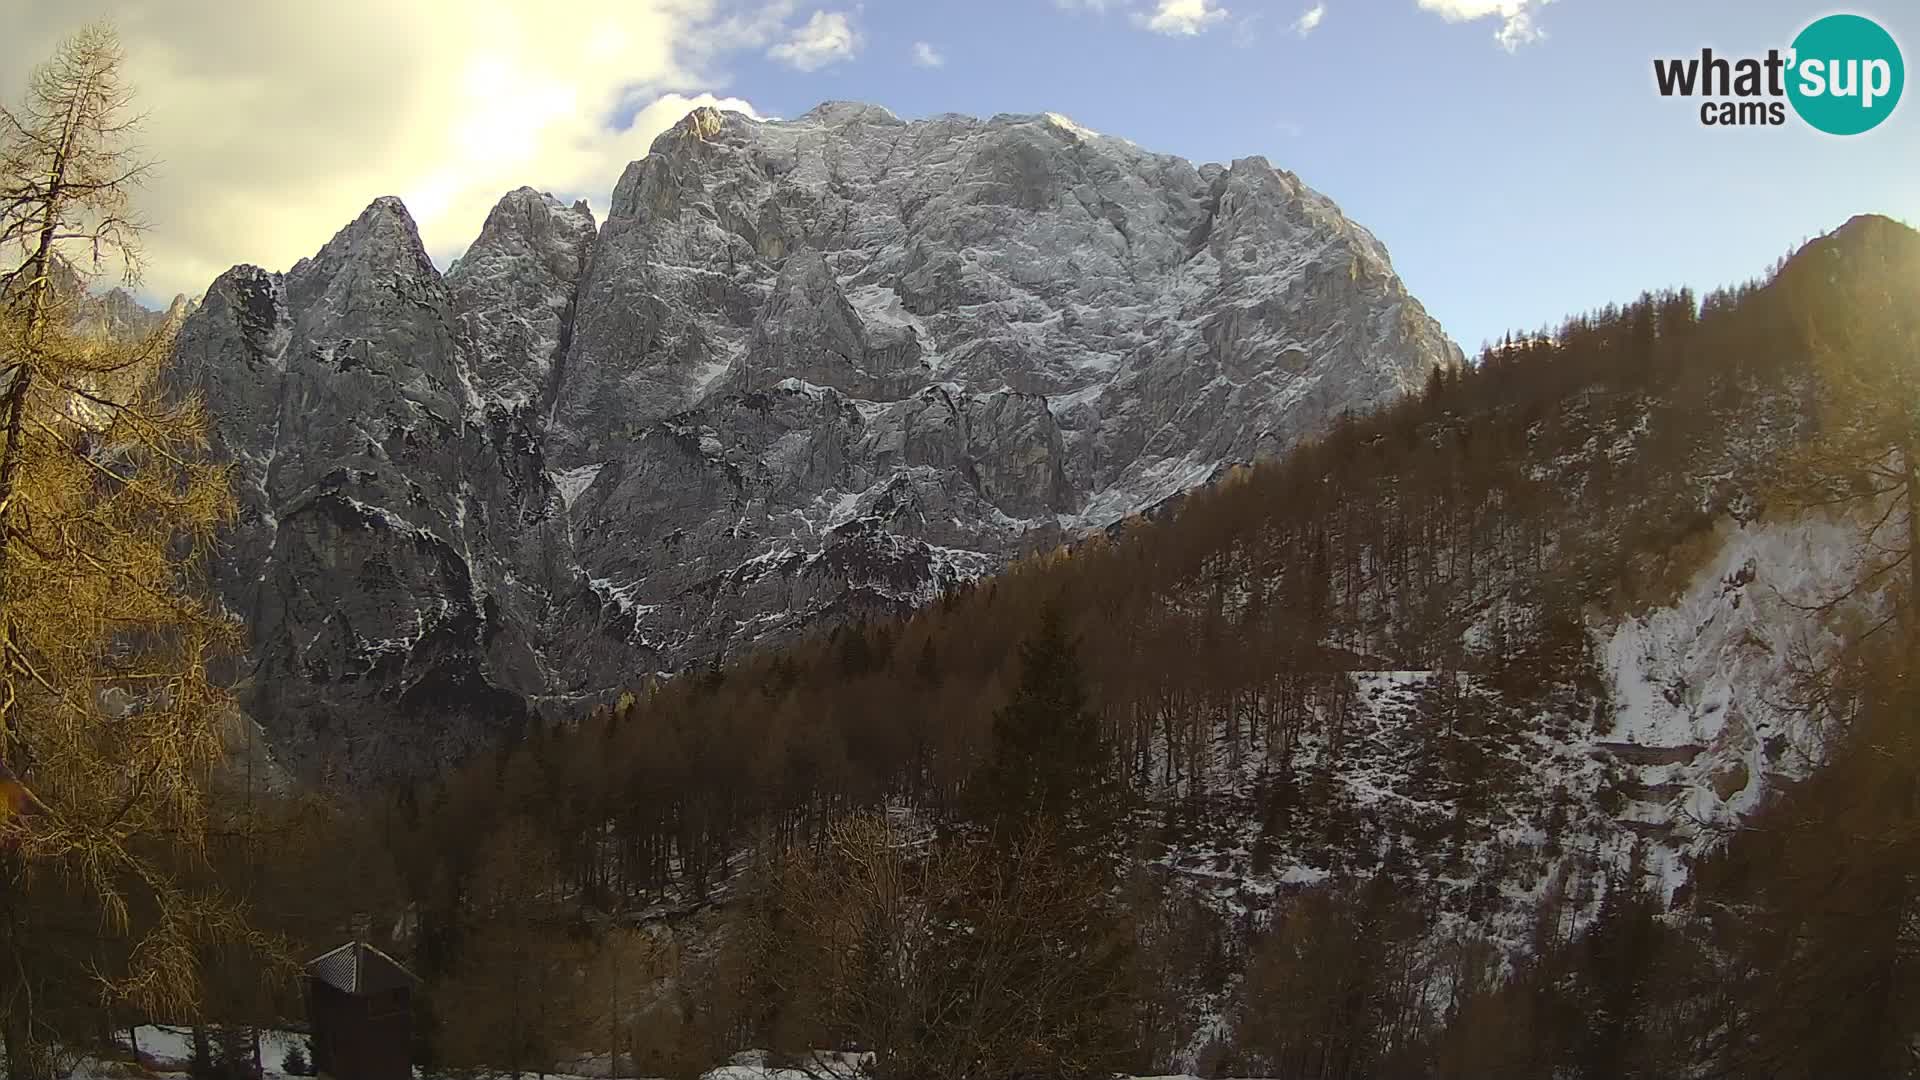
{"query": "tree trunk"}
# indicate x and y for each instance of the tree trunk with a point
(15, 1013)
(1912, 455)
(38, 287)
(16, 400)
(613, 1013)
(16, 407)
(56, 197)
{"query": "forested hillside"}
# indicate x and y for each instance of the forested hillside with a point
(937, 599)
(1404, 755)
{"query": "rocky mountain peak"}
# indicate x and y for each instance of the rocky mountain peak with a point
(377, 254)
(529, 221)
(843, 113)
(384, 236)
(806, 370)
(513, 294)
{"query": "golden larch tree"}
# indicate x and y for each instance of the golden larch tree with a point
(110, 723)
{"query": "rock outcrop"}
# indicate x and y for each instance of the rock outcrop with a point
(806, 370)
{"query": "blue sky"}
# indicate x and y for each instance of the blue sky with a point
(1512, 188)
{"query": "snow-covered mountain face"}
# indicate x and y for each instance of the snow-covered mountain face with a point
(805, 370)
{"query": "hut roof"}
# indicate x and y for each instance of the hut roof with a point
(358, 968)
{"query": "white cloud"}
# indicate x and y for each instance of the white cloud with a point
(826, 38)
(1309, 20)
(927, 56)
(1518, 30)
(1174, 18)
(753, 28)
(1518, 25)
(1181, 18)
(1246, 30)
(276, 124)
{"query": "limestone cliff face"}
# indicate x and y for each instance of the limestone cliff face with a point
(806, 369)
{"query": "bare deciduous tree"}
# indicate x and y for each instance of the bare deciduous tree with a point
(954, 959)
(1862, 459)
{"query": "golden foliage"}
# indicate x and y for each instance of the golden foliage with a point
(109, 716)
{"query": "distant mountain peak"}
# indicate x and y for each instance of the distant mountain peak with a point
(850, 112)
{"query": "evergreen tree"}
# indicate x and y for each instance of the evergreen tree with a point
(856, 651)
(1049, 756)
(927, 668)
(200, 1055)
(233, 1053)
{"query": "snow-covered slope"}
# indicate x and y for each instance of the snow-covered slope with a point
(806, 370)
(167, 1052)
(1708, 717)
(1496, 812)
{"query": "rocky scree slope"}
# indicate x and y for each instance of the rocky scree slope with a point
(806, 370)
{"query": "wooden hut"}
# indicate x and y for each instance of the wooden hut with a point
(359, 1004)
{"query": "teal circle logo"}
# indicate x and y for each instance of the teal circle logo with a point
(1846, 74)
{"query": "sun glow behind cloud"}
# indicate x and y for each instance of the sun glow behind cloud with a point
(1181, 18)
(275, 124)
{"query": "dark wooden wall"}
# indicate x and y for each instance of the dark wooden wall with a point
(360, 1037)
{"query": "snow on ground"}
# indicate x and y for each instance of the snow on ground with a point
(880, 307)
(1698, 736)
(710, 374)
(1703, 728)
(1062, 404)
(571, 483)
(1144, 484)
(166, 1050)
